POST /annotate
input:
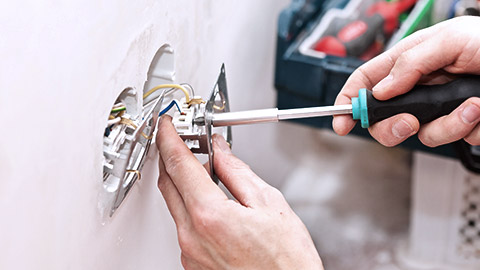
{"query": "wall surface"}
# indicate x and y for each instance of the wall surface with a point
(63, 63)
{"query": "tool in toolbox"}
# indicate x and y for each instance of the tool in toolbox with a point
(346, 37)
(426, 102)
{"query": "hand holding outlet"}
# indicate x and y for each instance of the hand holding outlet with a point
(258, 230)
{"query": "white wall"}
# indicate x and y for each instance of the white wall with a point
(62, 64)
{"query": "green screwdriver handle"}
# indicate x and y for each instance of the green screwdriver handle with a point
(425, 102)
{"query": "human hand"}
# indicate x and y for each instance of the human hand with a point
(257, 231)
(430, 56)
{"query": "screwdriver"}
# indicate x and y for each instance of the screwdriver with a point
(425, 102)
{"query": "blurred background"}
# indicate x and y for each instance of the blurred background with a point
(63, 64)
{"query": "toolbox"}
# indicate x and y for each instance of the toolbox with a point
(305, 77)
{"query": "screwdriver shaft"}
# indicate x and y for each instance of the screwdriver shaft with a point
(274, 115)
(314, 112)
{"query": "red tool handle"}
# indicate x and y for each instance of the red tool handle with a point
(357, 38)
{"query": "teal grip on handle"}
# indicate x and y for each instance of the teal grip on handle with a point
(359, 108)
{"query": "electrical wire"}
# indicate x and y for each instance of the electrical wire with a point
(189, 87)
(114, 121)
(174, 102)
(137, 172)
(188, 98)
(129, 122)
(176, 86)
(119, 109)
(216, 107)
(164, 93)
(120, 114)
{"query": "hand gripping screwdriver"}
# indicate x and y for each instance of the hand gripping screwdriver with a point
(425, 102)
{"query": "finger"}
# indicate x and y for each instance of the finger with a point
(466, 30)
(188, 175)
(474, 137)
(363, 77)
(237, 177)
(369, 74)
(437, 77)
(452, 127)
(395, 129)
(172, 197)
(206, 165)
(416, 62)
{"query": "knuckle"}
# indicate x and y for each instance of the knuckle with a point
(473, 100)
(460, 130)
(440, 131)
(448, 134)
(173, 160)
(188, 242)
(236, 168)
(412, 40)
(206, 221)
(185, 242)
(389, 59)
(405, 59)
(270, 194)
(162, 183)
(409, 60)
(237, 165)
(275, 193)
(473, 139)
(427, 139)
(419, 37)
(362, 75)
(185, 261)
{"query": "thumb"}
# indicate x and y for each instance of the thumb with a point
(237, 176)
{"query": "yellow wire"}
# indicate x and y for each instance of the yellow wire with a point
(139, 175)
(218, 107)
(176, 86)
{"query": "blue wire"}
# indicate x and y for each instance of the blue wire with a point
(174, 102)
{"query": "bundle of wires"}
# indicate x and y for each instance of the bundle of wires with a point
(172, 86)
(119, 109)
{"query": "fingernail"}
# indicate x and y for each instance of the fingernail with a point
(401, 129)
(470, 114)
(383, 84)
(222, 144)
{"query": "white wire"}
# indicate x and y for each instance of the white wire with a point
(164, 93)
(118, 105)
(114, 121)
(189, 87)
